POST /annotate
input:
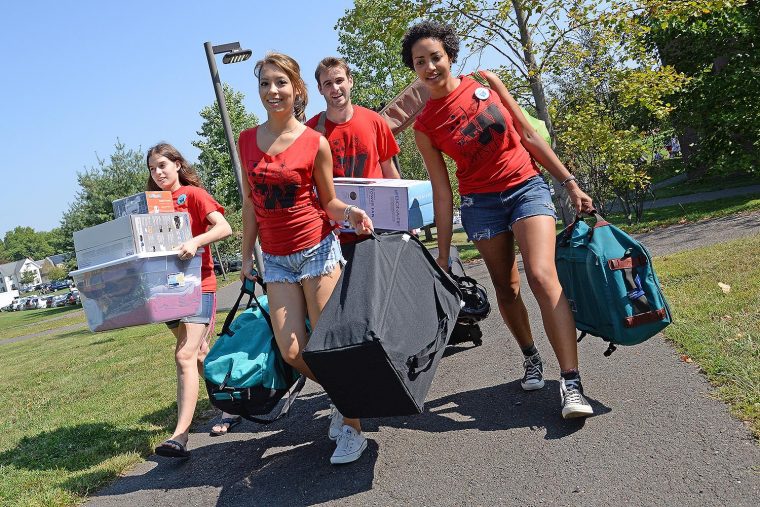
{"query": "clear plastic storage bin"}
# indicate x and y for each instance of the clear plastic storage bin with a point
(140, 289)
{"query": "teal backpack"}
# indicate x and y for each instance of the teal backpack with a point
(610, 283)
(244, 371)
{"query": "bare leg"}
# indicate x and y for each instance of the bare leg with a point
(189, 338)
(287, 308)
(317, 291)
(499, 256)
(536, 237)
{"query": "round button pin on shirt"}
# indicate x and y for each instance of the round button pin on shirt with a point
(482, 93)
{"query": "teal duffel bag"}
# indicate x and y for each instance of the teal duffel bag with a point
(610, 283)
(244, 371)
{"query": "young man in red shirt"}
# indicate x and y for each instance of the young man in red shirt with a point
(360, 140)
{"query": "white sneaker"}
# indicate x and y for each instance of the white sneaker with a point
(336, 423)
(351, 445)
(574, 404)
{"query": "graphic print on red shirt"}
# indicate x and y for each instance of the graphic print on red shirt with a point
(289, 215)
(480, 135)
(359, 145)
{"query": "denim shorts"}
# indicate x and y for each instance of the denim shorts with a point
(311, 262)
(208, 307)
(490, 214)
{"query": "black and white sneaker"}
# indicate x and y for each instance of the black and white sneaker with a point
(534, 373)
(574, 404)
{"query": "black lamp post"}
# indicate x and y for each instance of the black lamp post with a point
(232, 54)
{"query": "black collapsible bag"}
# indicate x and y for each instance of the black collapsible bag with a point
(475, 305)
(377, 344)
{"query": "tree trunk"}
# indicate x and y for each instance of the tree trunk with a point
(566, 212)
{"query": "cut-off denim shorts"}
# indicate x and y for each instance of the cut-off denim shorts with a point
(490, 214)
(208, 308)
(312, 262)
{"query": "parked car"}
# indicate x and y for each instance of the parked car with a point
(73, 298)
(33, 302)
(60, 300)
(18, 304)
(59, 284)
(49, 301)
(234, 263)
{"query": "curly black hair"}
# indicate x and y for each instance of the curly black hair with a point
(429, 30)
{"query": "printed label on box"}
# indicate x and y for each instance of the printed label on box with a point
(175, 279)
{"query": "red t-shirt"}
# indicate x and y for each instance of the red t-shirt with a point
(360, 144)
(288, 212)
(480, 136)
(198, 203)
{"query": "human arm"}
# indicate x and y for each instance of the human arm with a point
(334, 207)
(218, 229)
(443, 199)
(389, 170)
(538, 148)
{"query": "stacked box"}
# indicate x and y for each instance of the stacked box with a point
(145, 202)
(129, 235)
(140, 289)
(397, 205)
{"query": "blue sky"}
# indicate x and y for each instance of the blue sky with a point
(78, 75)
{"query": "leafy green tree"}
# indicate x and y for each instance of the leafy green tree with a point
(27, 277)
(715, 43)
(24, 242)
(214, 163)
(123, 174)
(56, 273)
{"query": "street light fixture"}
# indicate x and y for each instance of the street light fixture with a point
(232, 54)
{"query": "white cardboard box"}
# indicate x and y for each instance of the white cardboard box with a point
(159, 201)
(140, 289)
(129, 235)
(398, 205)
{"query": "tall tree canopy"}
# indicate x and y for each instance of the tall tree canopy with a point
(24, 242)
(123, 174)
(214, 163)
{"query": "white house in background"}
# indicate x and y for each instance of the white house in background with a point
(11, 274)
(48, 263)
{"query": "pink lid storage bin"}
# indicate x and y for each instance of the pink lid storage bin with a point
(140, 289)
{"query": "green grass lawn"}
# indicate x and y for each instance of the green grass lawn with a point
(79, 408)
(709, 183)
(692, 212)
(719, 331)
(34, 321)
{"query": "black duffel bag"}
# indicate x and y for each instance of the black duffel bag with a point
(377, 344)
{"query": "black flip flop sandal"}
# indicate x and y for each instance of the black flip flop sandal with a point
(172, 449)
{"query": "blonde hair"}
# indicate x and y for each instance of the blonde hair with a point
(291, 69)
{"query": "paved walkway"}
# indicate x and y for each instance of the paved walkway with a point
(659, 436)
(691, 198)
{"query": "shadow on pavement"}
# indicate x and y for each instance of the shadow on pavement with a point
(497, 408)
(285, 463)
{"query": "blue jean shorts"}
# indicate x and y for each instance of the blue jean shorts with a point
(490, 214)
(312, 262)
(208, 306)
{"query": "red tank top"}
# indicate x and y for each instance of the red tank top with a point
(479, 134)
(288, 212)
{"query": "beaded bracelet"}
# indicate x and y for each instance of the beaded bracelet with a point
(347, 212)
(568, 180)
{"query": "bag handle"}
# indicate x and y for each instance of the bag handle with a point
(247, 289)
(568, 232)
(431, 349)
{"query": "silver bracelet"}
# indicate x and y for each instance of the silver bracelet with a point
(567, 180)
(347, 212)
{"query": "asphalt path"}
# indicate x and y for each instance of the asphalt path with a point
(658, 437)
